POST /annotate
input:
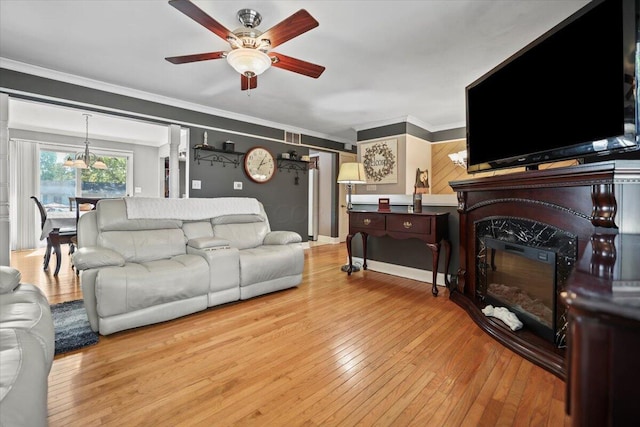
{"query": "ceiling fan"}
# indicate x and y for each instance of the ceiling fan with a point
(250, 53)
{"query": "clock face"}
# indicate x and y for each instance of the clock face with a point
(259, 165)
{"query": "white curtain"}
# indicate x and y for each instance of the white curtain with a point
(24, 179)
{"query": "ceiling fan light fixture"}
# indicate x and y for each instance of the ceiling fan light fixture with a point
(249, 62)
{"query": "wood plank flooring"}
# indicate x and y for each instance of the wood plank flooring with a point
(363, 350)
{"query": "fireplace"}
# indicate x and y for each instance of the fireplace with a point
(523, 265)
(556, 209)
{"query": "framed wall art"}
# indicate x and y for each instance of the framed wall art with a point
(380, 161)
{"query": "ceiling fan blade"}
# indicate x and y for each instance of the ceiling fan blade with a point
(195, 57)
(296, 65)
(198, 15)
(248, 83)
(298, 23)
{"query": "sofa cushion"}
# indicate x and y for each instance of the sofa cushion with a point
(112, 216)
(9, 279)
(270, 262)
(242, 236)
(145, 245)
(140, 285)
(196, 229)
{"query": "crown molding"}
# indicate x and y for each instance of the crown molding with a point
(35, 70)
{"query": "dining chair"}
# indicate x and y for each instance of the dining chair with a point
(55, 238)
(83, 204)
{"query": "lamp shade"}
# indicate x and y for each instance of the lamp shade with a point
(352, 173)
(252, 61)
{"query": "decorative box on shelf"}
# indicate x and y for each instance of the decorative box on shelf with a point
(384, 205)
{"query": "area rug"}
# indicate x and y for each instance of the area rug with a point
(72, 326)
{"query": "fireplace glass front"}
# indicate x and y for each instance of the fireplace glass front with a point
(523, 279)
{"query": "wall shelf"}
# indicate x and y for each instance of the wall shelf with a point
(215, 155)
(293, 165)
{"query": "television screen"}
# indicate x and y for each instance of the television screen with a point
(567, 95)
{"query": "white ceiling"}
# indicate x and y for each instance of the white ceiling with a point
(386, 61)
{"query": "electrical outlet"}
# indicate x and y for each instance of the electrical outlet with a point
(237, 185)
(138, 190)
(196, 184)
(371, 187)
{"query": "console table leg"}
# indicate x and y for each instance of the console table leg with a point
(435, 252)
(364, 250)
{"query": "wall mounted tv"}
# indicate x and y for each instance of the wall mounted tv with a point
(570, 94)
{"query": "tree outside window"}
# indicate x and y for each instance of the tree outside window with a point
(59, 183)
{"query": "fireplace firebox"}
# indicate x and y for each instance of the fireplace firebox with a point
(523, 265)
(523, 279)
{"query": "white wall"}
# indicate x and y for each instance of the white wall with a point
(418, 155)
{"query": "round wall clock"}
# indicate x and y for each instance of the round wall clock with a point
(259, 165)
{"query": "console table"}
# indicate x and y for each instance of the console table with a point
(432, 228)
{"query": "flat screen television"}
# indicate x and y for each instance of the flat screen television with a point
(570, 94)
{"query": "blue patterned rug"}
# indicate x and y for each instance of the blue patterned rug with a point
(72, 326)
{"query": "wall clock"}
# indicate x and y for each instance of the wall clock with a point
(259, 165)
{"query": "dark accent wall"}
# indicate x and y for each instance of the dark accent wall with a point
(413, 130)
(286, 204)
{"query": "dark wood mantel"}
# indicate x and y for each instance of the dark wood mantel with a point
(581, 200)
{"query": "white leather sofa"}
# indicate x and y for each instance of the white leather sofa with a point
(144, 261)
(27, 346)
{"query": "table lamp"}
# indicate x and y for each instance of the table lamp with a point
(351, 173)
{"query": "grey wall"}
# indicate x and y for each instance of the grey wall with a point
(286, 204)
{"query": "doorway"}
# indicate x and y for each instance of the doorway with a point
(343, 217)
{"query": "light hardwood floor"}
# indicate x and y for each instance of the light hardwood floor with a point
(363, 350)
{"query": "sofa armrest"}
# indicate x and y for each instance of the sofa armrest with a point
(205, 243)
(281, 238)
(96, 257)
(9, 279)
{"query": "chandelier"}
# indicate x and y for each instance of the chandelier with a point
(85, 159)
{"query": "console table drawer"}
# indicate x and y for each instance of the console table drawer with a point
(371, 221)
(414, 224)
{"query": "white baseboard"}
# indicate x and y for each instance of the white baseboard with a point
(401, 270)
(328, 239)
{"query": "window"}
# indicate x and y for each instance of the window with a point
(59, 183)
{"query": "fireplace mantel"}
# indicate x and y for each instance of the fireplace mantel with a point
(581, 200)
